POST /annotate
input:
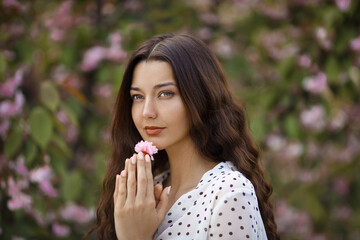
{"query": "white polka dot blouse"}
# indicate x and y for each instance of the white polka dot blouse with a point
(222, 206)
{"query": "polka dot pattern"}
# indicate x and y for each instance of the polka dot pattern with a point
(222, 206)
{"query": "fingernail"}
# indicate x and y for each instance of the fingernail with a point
(147, 158)
(141, 156)
(168, 191)
(133, 160)
(123, 173)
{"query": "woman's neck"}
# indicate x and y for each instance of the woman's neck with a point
(187, 167)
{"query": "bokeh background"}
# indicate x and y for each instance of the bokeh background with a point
(295, 64)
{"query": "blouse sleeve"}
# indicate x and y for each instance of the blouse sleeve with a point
(236, 216)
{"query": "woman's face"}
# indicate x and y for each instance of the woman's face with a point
(158, 110)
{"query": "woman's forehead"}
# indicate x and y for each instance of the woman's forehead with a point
(152, 73)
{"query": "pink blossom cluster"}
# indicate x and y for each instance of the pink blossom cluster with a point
(13, 4)
(18, 199)
(146, 147)
(66, 78)
(314, 118)
(10, 108)
(60, 230)
(61, 21)
(315, 84)
(276, 46)
(287, 149)
(11, 101)
(42, 176)
(76, 213)
(293, 222)
(72, 132)
(342, 212)
(19, 166)
(7, 89)
(343, 5)
(355, 44)
(224, 47)
(323, 37)
(341, 187)
(95, 55)
(274, 11)
(304, 61)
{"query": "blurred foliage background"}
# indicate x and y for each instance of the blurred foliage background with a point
(295, 64)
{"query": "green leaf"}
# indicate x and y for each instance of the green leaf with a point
(70, 113)
(257, 126)
(30, 152)
(41, 126)
(354, 74)
(332, 69)
(314, 206)
(61, 144)
(71, 186)
(292, 127)
(49, 95)
(12, 143)
(2, 66)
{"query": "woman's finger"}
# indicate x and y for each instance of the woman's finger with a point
(131, 180)
(126, 164)
(141, 178)
(116, 187)
(121, 198)
(149, 176)
(157, 192)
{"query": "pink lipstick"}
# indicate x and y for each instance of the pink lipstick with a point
(153, 130)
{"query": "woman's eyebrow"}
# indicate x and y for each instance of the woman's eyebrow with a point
(156, 86)
(164, 85)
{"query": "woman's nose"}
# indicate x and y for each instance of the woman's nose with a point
(149, 110)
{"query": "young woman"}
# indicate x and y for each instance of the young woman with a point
(209, 184)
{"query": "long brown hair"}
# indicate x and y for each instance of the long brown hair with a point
(218, 124)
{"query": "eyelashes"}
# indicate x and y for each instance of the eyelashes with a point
(136, 97)
(166, 94)
(163, 94)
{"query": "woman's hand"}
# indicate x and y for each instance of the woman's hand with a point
(137, 211)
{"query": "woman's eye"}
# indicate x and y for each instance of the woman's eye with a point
(166, 94)
(136, 97)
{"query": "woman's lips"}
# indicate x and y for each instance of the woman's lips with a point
(153, 130)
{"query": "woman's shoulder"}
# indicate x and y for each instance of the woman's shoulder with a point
(225, 179)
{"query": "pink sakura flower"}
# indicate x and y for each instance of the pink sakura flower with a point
(42, 176)
(60, 230)
(48, 189)
(146, 147)
(75, 213)
(315, 84)
(13, 4)
(355, 44)
(19, 166)
(314, 118)
(61, 21)
(7, 89)
(93, 57)
(342, 212)
(18, 199)
(341, 187)
(304, 61)
(12, 108)
(343, 5)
